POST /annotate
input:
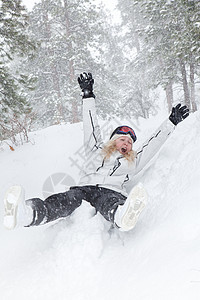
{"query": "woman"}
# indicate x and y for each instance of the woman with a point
(107, 170)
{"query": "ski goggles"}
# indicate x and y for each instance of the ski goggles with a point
(125, 130)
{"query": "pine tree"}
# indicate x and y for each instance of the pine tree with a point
(136, 82)
(165, 36)
(71, 35)
(172, 43)
(14, 45)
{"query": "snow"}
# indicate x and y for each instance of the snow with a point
(81, 258)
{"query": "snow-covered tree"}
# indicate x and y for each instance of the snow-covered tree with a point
(14, 45)
(165, 37)
(73, 38)
(172, 42)
(137, 97)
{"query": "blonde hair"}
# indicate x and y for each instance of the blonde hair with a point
(110, 147)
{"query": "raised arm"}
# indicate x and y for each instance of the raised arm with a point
(149, 149)
(155, 142)
(92, 135)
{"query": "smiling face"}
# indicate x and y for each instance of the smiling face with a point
(123, 144)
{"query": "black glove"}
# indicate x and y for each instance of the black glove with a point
(86, 84)
(178, 114)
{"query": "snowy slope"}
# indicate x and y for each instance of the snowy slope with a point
(79, 258)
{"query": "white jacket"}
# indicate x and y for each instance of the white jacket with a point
(116, 172)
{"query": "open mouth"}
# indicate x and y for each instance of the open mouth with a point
(123, 150)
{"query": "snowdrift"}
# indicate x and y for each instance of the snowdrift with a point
(81, 257)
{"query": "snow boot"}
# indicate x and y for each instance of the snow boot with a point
(14, 195)
(39, 211)
(127, 215)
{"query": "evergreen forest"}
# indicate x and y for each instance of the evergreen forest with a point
(150, 56)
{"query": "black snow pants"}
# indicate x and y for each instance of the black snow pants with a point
(62, 205)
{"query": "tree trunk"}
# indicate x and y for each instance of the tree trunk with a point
(192, 88)
(137, 42)
(75, 117)
(185, 84)
(55, 76)
(169, 95)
